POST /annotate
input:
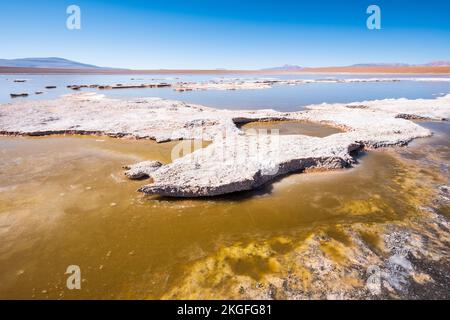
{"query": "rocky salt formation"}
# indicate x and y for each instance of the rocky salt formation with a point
(233, 161)
(222, 85)
(246, 84)
(142, 170)
(16, 95)
(400, 261)
(267, 83)
(119, 86)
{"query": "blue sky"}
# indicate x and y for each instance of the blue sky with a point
(227, 34)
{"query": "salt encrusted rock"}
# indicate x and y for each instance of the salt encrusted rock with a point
(142, 170)
(243, 163)
(16, 95)
(233, 161)
(444, 195)
(239, 85)
(244, 84)
(261, 83)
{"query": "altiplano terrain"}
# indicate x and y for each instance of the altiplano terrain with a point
(233, 161)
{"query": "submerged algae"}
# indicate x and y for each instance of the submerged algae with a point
(274, 243)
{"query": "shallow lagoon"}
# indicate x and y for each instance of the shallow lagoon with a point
(65, 200)
(280, 97)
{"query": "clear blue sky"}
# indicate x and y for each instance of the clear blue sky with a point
(227, 33)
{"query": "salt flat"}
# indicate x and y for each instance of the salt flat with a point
(233, 161)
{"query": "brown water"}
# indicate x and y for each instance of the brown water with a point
(290, 127)
(64, 201)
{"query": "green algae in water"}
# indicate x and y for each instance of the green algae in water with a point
(372, 240)
(56, 209)
(339, 235)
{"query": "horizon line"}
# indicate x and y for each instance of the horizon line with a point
(331, 69)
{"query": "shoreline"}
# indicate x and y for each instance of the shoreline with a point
(445, 70)
(233, 161)
(368, 229)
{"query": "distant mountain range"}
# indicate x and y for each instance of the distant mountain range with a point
(60, 63)
(52, 62)
(286, 67)
(380, 65)
(441, 63)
